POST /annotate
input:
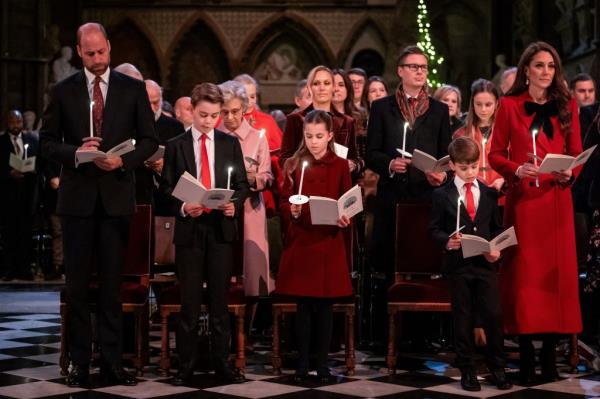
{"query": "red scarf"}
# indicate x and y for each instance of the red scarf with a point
(414, 108)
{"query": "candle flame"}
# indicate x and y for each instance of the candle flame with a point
(304, 164)
(91, 104)
(405, 125)
(262, 133)
(26, 146)
(230, 169)
(461, 199)
(534, 132)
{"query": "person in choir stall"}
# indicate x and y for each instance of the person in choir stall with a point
(279, 117)
(428, 130)
(343, 101)
(358, 77)
(583, 89)
(473, 285)
(257, 277)
(129, 70)
(450, 95)
(184, 111)
(204, 237)
(480, 127)
(507, 79)
(148, 177)
(96, 200)
(51, 171)
(320, 82)
(538, 285)
(375, 89)
(302, 97)
(314, 265)
(18, 201)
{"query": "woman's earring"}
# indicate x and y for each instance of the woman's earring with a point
(526, 81)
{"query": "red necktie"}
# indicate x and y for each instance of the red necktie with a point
(204, 166)
(470, 201)
(98, 106)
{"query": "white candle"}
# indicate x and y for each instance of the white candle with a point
(26, 146)
(404, 139)
(483, 143)
(229, 170)
(91, 119)
(260, 137)
(458, 213)
(304, 165)
(535, 162)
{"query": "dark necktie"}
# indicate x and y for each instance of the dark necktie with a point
(98, 106)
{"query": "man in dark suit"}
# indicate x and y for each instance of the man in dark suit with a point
(148, 177)
(428, 130)
(19, 199)
(473, 284)
(96, 199)
(204, 238)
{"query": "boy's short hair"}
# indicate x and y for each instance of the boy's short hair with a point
(209, 92)
(463, 150)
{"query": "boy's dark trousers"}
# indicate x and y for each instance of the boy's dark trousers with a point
(474, 289)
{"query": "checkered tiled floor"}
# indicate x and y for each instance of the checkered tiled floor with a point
(29, 347)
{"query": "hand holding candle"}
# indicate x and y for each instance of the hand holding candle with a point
(229, 170)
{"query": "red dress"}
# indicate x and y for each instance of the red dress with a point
(538, 277)
(313, 262)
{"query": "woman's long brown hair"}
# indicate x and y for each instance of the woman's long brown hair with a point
(473, 121)
(557, 91)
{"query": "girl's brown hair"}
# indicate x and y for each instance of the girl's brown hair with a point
(473, 121)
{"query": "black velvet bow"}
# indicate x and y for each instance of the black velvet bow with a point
(542, 112)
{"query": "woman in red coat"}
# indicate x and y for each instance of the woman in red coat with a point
(538, 281)
(314, 266)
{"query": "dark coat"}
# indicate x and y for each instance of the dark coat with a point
(127, 115)
(314, 262)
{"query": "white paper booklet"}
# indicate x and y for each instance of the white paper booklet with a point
(341, 150)
(118, 150)
(560, 162)
(20, 164)
(327, 211)
(474, 245)
(425, 162)
(190, 190)
(160, 152)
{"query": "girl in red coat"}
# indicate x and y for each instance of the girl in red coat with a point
(314, 266)
(538, 280)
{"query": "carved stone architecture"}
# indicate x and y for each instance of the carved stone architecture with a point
(182, 42)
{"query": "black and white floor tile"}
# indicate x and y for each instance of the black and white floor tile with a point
(30, 345)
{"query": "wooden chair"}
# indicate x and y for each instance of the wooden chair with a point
(417, 259)
(134, 291)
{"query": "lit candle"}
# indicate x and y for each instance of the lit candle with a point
(483, 143)
(404, 139)
(458, 213)
(26, 146)
(91, 119)
(260, 137)
(229, 170)
(535, 162)
(304, 165)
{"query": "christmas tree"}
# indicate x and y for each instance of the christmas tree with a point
(427, 46)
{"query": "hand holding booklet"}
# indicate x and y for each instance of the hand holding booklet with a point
(190, 190)
(425, 162)
(474, 245)
(20, 164)
(328, 211)
(562, 162)
(118, 150)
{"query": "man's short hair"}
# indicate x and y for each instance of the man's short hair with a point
(358, 71)
(408, 50)
(580, 77)
(299, 87)
(463, 150)
(208, 92)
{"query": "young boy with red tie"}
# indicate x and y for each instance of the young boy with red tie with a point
(473, 284)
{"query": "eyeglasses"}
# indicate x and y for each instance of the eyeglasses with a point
(415, 67)
(235, 112)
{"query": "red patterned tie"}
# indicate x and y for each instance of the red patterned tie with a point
(98, 106)
(470, 200)
(204, 166)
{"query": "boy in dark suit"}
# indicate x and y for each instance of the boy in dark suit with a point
(203, 237)
(473, 280)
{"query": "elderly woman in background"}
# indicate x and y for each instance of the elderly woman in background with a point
(257, 279)
(450, 95)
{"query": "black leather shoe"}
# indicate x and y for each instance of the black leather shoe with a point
(498, 378)
(229, 376)
(468, 381)
(79, 376)
(116, 375)
(182, 377)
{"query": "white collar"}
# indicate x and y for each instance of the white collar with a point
(460, 183)
(90, 76)
(196, 134)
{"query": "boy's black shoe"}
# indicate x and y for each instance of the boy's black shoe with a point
(468, 381)
(498, 378)
(79, 376)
